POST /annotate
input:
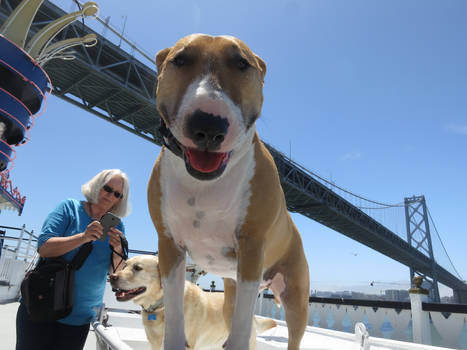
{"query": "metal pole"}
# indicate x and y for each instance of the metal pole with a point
(123, 30)
(26, 257)
(2, 234)
(18, 246)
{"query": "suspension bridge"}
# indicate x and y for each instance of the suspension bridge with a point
(111, 81)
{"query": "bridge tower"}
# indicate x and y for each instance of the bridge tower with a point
(419, 237)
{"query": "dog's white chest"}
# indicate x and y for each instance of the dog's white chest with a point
(204, 216)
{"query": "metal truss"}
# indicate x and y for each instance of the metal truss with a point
(110, 83)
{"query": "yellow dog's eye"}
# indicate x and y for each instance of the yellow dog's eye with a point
(137, 268)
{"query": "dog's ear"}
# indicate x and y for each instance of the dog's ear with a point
(160, 58)
(261, 64)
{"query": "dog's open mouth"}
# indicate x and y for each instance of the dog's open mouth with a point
(204, 161)
(205, 165)
(124, 295)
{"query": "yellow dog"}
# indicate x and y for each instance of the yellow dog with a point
(204, 322)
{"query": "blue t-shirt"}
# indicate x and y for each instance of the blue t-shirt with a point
(68, 219)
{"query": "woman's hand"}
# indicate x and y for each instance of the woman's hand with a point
(114, 239)
(93, 231)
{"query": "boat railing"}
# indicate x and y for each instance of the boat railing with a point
(17, 254)
(446, 323)
(388, 324)
(121, 329)
(18, 243)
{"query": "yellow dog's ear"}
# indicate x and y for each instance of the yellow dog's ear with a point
(261, 64)
(160, 58)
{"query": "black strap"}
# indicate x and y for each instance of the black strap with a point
(124, 255)
(169, 140)
(81, 256)
(124, 243)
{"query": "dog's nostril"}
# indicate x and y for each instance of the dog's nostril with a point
(200, 136)
(219, 138)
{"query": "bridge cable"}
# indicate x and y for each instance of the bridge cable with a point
(442, 244)
(385, 205)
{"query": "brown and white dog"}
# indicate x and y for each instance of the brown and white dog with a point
(215, 191)
(205, 327)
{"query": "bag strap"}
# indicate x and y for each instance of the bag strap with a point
(81, 256)
(124, 255)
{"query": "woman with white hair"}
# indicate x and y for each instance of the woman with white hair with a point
(72, 224)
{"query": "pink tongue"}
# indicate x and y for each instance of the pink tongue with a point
(205, 162)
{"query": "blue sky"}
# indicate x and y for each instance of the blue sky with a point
(369, 94)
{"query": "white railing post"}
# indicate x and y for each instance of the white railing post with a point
(26, 257)
(420, 319)
(20, 239)
(2, 241)
(362, 336)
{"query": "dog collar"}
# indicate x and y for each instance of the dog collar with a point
(169, 140)
(155, 307)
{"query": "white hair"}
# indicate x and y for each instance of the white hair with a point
(92, 188)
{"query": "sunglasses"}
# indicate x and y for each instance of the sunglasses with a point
(109, 189)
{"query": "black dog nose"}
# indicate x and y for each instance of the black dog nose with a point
(207, 131)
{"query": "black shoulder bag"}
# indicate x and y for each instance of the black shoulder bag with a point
(47, 290)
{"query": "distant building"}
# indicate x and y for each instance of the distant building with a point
(448, 300)
(321, 294)
(389, 294)
(342, 294)
(364, 296)
(396, 294)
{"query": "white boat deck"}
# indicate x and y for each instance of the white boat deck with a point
(127, 333)
(325, 339)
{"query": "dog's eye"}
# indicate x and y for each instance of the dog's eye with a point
(179, 60)
(242, 63)
(137, 268)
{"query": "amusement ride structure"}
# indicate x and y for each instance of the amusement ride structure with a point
(24, 84)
